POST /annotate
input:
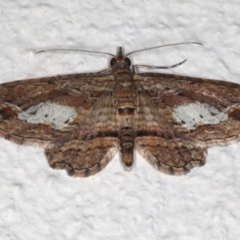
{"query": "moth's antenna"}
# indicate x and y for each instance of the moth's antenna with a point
(74, 50)
(167, 45)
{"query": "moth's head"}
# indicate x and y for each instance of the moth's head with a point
(120, 60)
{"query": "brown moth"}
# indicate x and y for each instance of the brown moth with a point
(82, 120)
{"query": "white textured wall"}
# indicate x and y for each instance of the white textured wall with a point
(40, 203)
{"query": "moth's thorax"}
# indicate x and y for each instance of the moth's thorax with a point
(123, 77)
(125, 91)
(121, 69)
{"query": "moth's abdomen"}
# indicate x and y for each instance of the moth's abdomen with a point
(126, 137)
(126, 134)
(126, 109)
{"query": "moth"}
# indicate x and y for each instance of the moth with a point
(82, 120)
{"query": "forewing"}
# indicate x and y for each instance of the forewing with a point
(88, 149)
(37, 111)
(203, 112)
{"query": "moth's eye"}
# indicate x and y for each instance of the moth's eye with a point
(128, 61)
(113, 61)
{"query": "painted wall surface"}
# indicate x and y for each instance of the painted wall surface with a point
(37, 202)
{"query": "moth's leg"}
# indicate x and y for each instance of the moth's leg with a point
(135, 67)
(108, 70)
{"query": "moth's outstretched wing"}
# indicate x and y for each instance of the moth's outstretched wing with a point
(37, 111)
(87, 150)
(203, 112)
(157, 142)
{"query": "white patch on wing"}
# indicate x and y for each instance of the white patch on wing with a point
(193, 114)
(48, 113)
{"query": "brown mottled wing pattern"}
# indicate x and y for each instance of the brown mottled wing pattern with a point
(165, 142)
(87, 150)
(81, 92)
